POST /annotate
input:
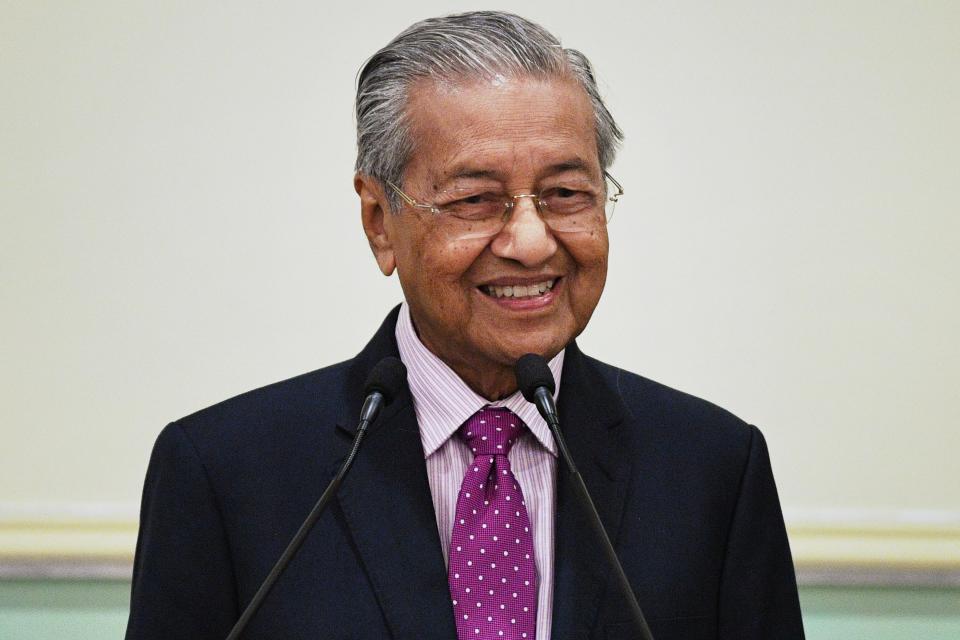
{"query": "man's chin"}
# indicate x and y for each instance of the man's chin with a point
(547, 346)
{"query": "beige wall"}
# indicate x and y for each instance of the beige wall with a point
(178, 226)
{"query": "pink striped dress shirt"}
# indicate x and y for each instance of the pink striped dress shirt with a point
(443, 402)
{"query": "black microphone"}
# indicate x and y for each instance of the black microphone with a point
(385, 382)
(536, 383)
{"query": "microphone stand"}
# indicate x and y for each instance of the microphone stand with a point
(382, 386)
(543, 398)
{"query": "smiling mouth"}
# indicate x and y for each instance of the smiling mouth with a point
(519, 291)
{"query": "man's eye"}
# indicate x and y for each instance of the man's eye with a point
(567, 200)
(477, 205)
(479, 198)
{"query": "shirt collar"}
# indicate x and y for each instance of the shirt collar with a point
(443, 401)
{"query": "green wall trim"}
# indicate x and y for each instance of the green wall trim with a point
(32, 609)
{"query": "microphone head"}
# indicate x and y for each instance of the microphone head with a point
(388, 377)
(532, 372)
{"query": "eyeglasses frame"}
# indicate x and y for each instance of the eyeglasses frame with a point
(508, 205)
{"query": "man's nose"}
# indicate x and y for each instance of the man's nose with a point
(525, 237)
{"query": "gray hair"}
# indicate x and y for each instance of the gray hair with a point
(475, 44)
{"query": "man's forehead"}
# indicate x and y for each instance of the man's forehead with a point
(479, 90)
(472, 169)
(481, 128)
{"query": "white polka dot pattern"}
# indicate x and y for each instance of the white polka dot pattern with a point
(492, 571)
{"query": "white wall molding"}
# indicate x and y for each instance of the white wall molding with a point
(871, 517)
(874, 540)
(830, 546)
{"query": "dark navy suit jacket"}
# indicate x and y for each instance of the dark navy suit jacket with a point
(684, 489)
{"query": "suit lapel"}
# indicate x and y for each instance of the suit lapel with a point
(385, 500)
(590, 412)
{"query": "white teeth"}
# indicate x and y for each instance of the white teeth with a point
(520, 291)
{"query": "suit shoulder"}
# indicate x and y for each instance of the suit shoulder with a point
(676, 414)
(308, 397)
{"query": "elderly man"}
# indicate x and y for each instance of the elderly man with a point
(482, 175)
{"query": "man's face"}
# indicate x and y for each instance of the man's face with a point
(517, 135)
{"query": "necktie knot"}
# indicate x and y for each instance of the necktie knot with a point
(492, 431)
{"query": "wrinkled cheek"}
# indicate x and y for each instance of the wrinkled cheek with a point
(465, 252)
(600, 257)
(602, 275)
(455, 263)
(591, 279)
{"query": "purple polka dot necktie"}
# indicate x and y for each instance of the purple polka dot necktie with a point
(492, 572)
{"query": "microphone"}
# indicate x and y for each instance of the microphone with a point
(385, 382)
(537, 385)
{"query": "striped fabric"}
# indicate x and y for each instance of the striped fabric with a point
(443, 402)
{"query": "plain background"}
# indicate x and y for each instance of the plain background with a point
(179, 226)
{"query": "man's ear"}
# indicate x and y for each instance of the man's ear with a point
(373, 214)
